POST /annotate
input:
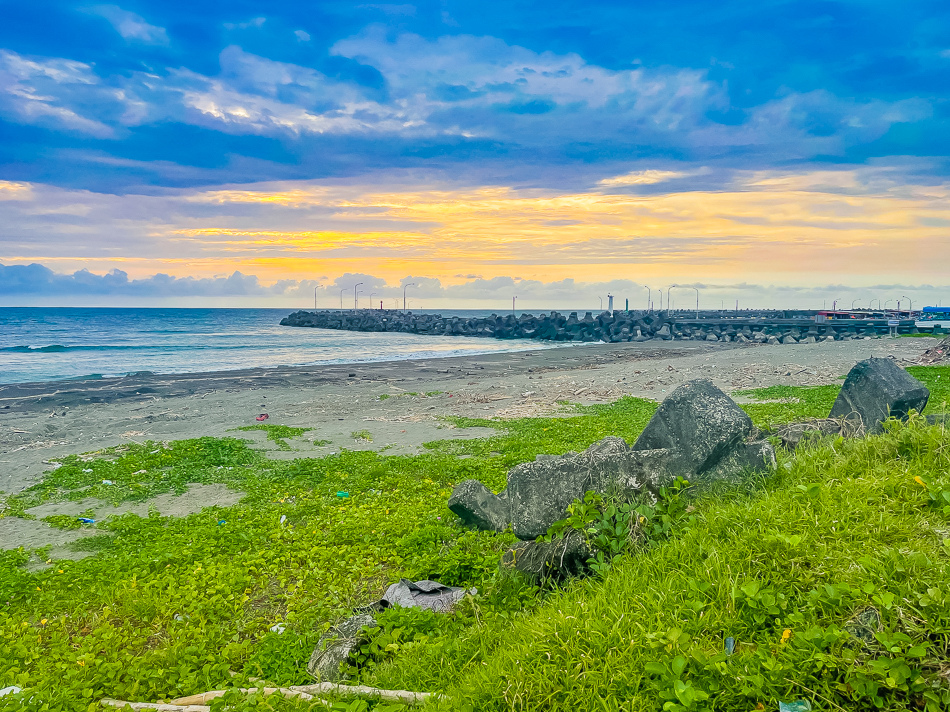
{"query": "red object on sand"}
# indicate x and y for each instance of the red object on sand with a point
(263, 416)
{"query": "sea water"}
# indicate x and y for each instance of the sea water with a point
(44, 343)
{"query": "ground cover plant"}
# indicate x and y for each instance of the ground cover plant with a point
(169, 607)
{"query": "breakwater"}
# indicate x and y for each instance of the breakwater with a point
(612, 327)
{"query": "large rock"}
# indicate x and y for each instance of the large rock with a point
(477, 506)
(540, 492)
(336, 645)
(550, 562)
(700, 425)
(876, 389)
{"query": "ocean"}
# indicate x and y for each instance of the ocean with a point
(48, 344)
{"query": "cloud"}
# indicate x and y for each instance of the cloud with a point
(130, 25)
(35, 282)
(302, 35)
(648, 177)
(49, 92)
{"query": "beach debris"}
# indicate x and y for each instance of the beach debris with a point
(278, 628)
(936, 354)
(698, 433)
(875, 390)
(262, 417)
(796, 706)
(161, 706)
(343, 495)
(10, 690)
(404, 696)
(85, 520)
(544, 562)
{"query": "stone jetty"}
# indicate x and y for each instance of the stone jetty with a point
(611, 327)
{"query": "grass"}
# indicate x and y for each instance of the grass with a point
(362, 436)
(169, 606)
(277, 433)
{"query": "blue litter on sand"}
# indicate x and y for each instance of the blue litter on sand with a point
(342, 494)
(796, 706)
(86, 520)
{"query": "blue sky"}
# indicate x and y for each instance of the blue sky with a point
(126, 131)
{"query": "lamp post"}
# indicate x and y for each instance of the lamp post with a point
(341, 298)
(911, 307)
(404, 288)
(852, 304)
(355, 297)
(601, 303)
(315, 298)
(513, 304)
(649, 297)
(885, 303)
(371, 295)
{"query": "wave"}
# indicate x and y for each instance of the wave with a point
(52, 348)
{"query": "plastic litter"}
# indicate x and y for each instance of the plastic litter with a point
(342, 494)
(86, 520)
(222, 521)
(277, 628)
(796, 706)
(180, 617)
(262, 417)
(283, 518)
(730, 645)
(108, 482)
(11, 690)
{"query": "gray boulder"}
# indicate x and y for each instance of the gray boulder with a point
(540, 492)
(336, 645)
(430, 595)
(700, 425)
(549, 562)
(876, 389)
(479, 507)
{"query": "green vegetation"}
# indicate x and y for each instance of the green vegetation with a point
(277, 433)
(364, 435)
(169, 606)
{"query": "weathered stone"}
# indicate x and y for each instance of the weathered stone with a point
(479, 507)
(550, 562)
(863, 625)
(789, 339)
(876, 389)
(336, 645)
(793, 434)
(712, 337)
(772, 340)
(540, 492)
(700, 425)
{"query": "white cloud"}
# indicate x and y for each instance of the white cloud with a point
(130, 25)
(302, 35)
(38, 91)
(648, 177)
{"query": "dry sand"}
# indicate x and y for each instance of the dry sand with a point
(48, 420)
(43, 421)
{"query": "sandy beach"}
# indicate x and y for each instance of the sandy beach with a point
(43, 421)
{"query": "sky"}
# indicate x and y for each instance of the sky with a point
(266, 154)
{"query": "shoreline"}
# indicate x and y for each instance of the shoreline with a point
(401, 403)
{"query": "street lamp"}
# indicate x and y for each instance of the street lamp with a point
(852, 304)
(315, 298)
(404, 288)
(911, 308)
(513, 304)
(649, 297)
(601, 303)
(341, 298)
(885, 303)
(371, 295)
(355, 302)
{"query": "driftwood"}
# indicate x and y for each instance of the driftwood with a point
(323, 688)
(198, 703)
(205, 697)
(122, 704)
